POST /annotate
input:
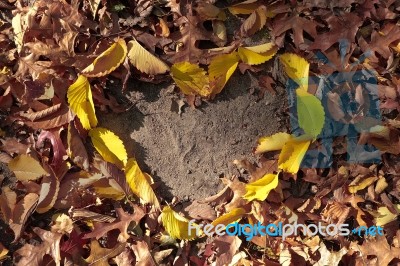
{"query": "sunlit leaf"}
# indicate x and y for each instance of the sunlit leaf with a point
(233, 216)
(259, 189)
(81, 102)
(385, 216)
(176, 225)
(259, 54)
(272, 143)
(139, 183)
(292, 155)
(221, 69)
(297, 68)
(109, 146)
(26, 168)
(365, 182)
(310, 113)
(107, 61)
(144, 60)
(190, 78)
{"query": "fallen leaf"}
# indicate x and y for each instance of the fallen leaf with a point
(360, 185)
(190, 78)
(99, 256)
(107, 61)
(144, 60)
(26, 168)
(221, 69)
(272, 143)
(33, 255)
(255, 22)
(176, 225)
(142, 253)
(81, 102)
(227, 246)
(121, 223)
(245, 7)
(310, 113)
(292, 155)
(259, 189)
(109, 146)
(76, 149)
(296, 68)
(232, 216)
(255, 55)
(139, 183)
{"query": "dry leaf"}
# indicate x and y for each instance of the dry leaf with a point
(107, 61)
(26, 168)
(144, 60)
(256, 55)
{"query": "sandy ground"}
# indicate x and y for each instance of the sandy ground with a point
(188, 152)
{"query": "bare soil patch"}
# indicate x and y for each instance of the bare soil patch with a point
(188, 152)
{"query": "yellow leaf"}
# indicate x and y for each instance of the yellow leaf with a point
(139, 183)
(190, 78)
(109, 193)
(109, 146)
(363, 184)
(385, 216)
(108, 60)
(233, 216)
(81, 102)
(259, 189)
(3, 252)
(244, 8)
(176, 225)
(296, 68)
(26, 168)
(144, 60)
(257, 54)
(221, 69)
(272, 143)
(292, 155)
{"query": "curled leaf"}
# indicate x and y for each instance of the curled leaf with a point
(81, 102)
(259, 189)
(144, 60)
(109, 145)
(108, 60)
(190, 78)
